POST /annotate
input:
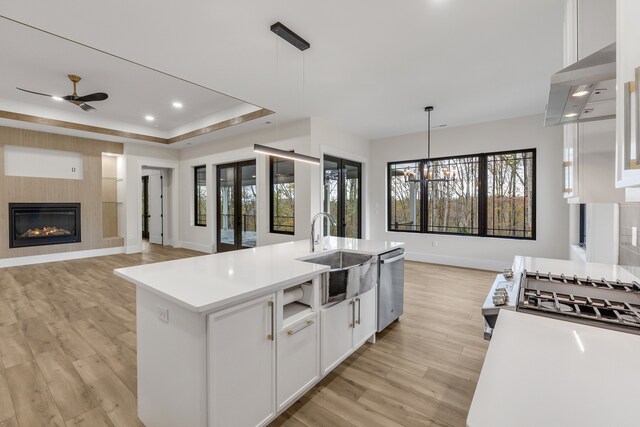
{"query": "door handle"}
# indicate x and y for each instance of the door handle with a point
(271, 336)
(358, 301)
(390, 260)
(306, 325)
(353, 314)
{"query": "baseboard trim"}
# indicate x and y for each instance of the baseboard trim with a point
(196, 247)
(63, 256)
(480, 264)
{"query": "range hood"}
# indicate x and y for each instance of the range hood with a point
(584, 91)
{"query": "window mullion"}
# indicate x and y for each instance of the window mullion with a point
(483, 174)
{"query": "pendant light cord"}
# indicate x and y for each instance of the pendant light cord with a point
(277, 87)
(429, 135)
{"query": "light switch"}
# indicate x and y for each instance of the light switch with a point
(634, 236)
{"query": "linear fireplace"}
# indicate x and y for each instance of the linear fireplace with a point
(36, 224)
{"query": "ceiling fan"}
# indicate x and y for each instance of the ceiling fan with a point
(80, 101)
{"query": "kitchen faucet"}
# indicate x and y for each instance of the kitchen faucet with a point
(313, 227)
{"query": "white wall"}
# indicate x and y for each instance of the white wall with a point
(552, 212)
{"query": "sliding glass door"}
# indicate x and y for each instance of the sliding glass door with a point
(236, 212)
(343, 196)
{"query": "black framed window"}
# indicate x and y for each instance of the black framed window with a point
(490, 195)
(405, 196)
(452, 206)
(282, 195)
(343, 196)
(200, 196)
(583, 225)
(510, 198)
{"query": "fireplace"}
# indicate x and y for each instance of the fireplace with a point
(37, 224)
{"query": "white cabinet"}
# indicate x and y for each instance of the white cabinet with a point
(298, 359)
(627, 117)
(345, 327)
(588, 162)
(242, 364)
(337, 334)
(589, 148)
(365, 306)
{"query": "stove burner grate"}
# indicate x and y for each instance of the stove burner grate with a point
(604, 310)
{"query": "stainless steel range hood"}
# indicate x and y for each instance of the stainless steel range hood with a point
(584, 91)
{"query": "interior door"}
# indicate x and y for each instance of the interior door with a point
(145, 207)
(343, 196)
(155, 209)
(236, 206)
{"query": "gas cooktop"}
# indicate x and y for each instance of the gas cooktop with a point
(599, 302)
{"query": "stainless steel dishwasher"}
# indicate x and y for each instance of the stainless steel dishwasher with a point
(390, 287)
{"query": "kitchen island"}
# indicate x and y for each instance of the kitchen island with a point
(540, 371)
(564, 347)
(220, 341)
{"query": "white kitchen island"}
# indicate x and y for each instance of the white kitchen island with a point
(541, 371)
(218, 346)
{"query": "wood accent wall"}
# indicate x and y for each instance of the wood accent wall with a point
(87, 192)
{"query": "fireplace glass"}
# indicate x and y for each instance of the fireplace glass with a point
(36, 224)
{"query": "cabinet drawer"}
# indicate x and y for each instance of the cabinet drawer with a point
(298, 358)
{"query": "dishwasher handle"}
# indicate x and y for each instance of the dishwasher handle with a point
(390, 260)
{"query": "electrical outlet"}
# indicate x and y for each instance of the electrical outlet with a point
(634, 236)
(163, 314)
(434, 244)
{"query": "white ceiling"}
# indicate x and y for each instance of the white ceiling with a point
(40, 62)
(372, 67)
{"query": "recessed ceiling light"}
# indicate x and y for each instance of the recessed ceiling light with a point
(177, 104)
(149, 118)
(581, 93)
(571, 115)
(57, 98)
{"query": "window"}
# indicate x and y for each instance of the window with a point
(510, 181)
(282, 195)
(452, 206)
(583, 226)
(405, 197)
(200, 196)
(492, 195)
(343, 196)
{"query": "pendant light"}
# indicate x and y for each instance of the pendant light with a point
(301, 44)
(430, 173)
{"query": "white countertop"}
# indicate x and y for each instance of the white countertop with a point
(547, 372)
(569, 268)
(208, 282)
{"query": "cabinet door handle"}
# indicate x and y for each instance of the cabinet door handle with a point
(358, 301)
(271, 336)
(306, 325)
(353, 314)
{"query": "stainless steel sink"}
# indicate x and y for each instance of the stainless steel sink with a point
(351, 274)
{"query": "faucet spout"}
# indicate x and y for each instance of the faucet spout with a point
(313, 226)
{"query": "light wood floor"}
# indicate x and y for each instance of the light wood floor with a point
(67, 347)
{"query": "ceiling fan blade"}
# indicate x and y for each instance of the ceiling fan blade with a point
(98, 96)
(35, 93)
(86, 107)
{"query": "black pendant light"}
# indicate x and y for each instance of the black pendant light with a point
(430, 174)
